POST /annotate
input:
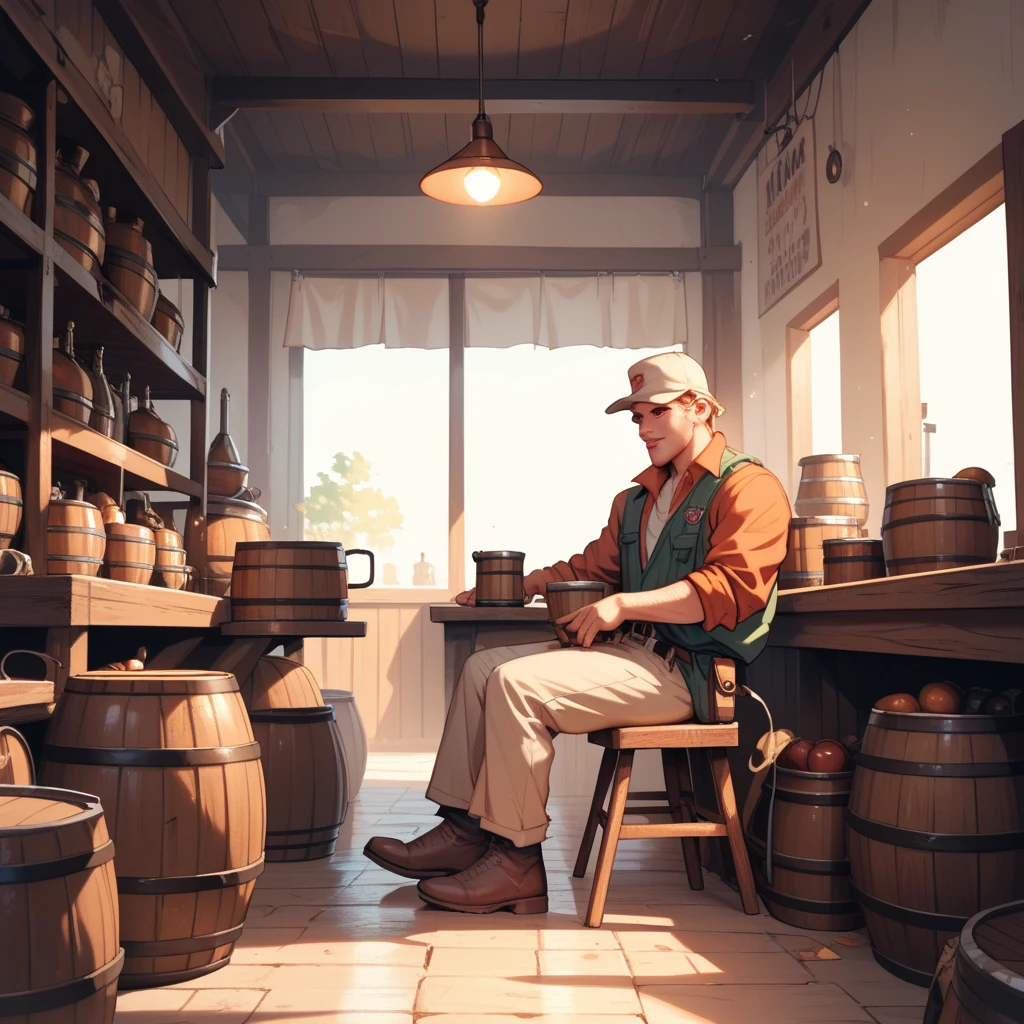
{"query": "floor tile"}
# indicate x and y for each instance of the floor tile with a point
(656, 968)
(301, 1005)
(895, 1014)
(314, 950)
(584, 938)
(482, 939)
(566, 964)
(501, 995)
(695, 942)
(457, 961)
(748, 1004)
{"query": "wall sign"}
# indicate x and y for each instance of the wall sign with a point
(788, 246)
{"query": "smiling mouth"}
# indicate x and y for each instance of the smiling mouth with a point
(653, 444)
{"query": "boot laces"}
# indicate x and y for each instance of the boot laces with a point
(492, 858)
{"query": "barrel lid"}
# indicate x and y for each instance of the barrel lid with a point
(25, 810)
(290, 545)
(933, 480)
(477, 555)
(824, 521)
(836, 542)
(152, 682)
(927, 721)
(814, 460)
(1001, 987)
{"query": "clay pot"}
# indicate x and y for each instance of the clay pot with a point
(129, 264)
(17, 152)
(77, 218)
(72, 388)
(168, 322)
(12, 346)
(150, 435)
(102, 417)
(225, 474)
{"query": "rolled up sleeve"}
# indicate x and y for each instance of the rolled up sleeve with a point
(749, 531)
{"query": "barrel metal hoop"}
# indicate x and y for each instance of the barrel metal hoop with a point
(961, 560)
(809, 799)
(116, 255)
(809, 906)
(983, 995)
(942, 724)
(148, 541)
(804, 865)
(88, 559)
(293, 716)
(325, 602)
(499, 572)
(245, 567)
(977, 969)
(63, 236)
(936, 842)
(24, 1003)
(178, 947)
(43, 871)
(907, 915)
(305, 831)
(195, 687)
(987, 770)
(189, 883)
(326, 841)
(70, 396)
(140, 980)
(139, 435)
(160, 757)
(499, 604)
(82, 530)
(9, 353)
(11, 499)
(921, 978)
(24, 171)
(83, 211)
(832, 559)
(936, 517)
(828, 480)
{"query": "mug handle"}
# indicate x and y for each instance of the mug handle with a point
(369, 554)
(4, 677)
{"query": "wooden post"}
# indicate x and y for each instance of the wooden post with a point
(259, 346)
(1013, 186)
(456, 433)
(296, 477)
(39, 343)
(202, 222)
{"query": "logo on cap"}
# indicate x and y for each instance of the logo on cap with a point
(692, 515)
(636, 383)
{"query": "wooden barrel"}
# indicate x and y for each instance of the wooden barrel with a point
(302, 761)
(77, 218)
(170, 548)
(938, 524)
(168, 322)
(75, 538)
(499, 579)
(273, 580)
(849, 559)
(804, 565)
(128, 264)
(16, 765)
(12, 347)
(988, 972)
(351, 735)
(832, 485)
(810, 885)
(11, 508)
(567, 597)
(936, 829)
(131, 553)
(18, 169)
(172, 757)
(59, 943)
(229, 521)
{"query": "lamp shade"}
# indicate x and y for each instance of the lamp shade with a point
(480, 174)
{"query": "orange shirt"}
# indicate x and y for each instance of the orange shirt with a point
(748, 519)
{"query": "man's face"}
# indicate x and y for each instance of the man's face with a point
(665, 429)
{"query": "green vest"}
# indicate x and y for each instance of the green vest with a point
(682, 548)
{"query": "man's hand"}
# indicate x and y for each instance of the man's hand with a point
(607, 614)
(466, 597)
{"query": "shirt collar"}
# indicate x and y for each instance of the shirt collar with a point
(653, 478)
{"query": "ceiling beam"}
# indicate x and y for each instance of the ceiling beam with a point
(825, 28)
(504, 96)
(239, 180)
(450, 259)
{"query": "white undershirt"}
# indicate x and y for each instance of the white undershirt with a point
(660, 512)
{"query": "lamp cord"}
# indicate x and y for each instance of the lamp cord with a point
(480, 5)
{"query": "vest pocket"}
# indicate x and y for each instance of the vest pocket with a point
(629, 538)
(682, 547)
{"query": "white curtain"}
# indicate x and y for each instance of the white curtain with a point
(626, 311)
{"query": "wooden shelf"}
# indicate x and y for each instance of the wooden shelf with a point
(83, 448)
(103, 316)
(294, 628)
(464, 613)
(13, 404)
(25, 700)
(19, 236)
(69, 601)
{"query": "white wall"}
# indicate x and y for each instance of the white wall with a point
(926, 88)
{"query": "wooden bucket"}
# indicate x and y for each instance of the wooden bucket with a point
(351, 736)
(499, 579)
(988, 972)
(804, 565)
(131, 553)
(832, 485)
(849, 559)
(810, 886)
(567, 597)
(16, 765)
(172, 757)
(229, 521)
(18, 168)
(77, 218)
(168, 322)
(170, 548)
(938, 524)
(128, 264)
(75, 538)
(936, 829)
(11, 508)
(59, 941)
(12, 346)
(273, 580)
(302, 760)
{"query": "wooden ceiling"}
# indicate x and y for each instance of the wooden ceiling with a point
(630, 40)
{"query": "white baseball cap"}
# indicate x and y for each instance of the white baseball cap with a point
(663, 378)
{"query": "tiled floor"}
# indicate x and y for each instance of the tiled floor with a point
(341, 940)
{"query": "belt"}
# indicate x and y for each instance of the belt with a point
(643, 633)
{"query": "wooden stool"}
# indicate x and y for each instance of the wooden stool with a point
(690, 820)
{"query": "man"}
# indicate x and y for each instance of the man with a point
(694, 550)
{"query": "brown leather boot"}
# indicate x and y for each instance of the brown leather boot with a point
(444, 850)
(504, 878)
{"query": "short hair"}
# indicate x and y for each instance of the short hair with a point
(689, 397)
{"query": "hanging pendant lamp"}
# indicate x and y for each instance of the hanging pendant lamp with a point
(480, 174)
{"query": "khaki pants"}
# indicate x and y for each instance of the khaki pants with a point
(496, 751)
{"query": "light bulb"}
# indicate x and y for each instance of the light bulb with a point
(482, 183)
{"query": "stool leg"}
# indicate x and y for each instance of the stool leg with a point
(610, 839)
(734, 828)
(672, 761)
(604, 780)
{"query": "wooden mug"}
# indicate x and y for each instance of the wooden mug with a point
(571, 596)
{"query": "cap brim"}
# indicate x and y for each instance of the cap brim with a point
(624, 404)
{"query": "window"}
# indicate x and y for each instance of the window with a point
(376, 459)
(963, 326)
(543, 461)
(826, 398)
